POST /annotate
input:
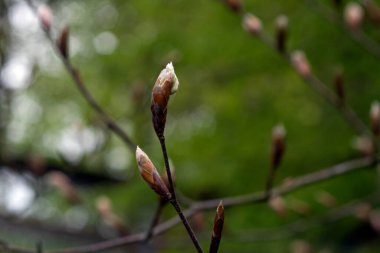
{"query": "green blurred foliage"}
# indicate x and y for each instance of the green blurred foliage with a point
(233, 90)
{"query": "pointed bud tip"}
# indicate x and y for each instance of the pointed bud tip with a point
(375, 108)
(282, 22)
(169, 70)
(353, 15)
(220, 209)
(279, 132)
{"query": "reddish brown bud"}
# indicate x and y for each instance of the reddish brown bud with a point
(363, 210)
(63, 42)
(300, 206)
(64, 185)
(218, 228)
(301, 64)
(326, 199)
(46, 17)
(281, 32)
(104, 207)
(150, 175)
(374, 219)
(300, 246)
(364, 145)
(166, 84)
(375, 118)
(278, 205)
(278, 145)
(234, 5)
(198, 221)
(252, 24)
(372, 10)
(353, 15)
(339, 86)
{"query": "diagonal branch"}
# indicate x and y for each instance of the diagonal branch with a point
(75, 76)
(357, 35)
(258, 197)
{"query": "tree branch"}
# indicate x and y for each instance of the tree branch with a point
(357, 35)
(74, 74)
(258, 197)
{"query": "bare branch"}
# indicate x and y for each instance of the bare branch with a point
(258, 197)
(75, 76)
(357, 35)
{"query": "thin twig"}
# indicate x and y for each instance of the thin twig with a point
(258, 197)
(317, 85)
(302, 225)
(155, 220)
(174, 200)
(74, 74)
(187, 225)
(167, 167)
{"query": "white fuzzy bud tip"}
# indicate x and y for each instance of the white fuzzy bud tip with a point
(353, 15)
(279, 132)
(169, 70)
(282, 22)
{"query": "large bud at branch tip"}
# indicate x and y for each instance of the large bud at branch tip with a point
(150, 175)
(166, 85)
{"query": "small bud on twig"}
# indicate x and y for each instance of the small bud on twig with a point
(150, 175)
(353, 15)
(166, 85)
(374, 219)
(278, 145)
(252, 24)
(339, 86)
(104, 207)
(218, 228)
(278, 205)
(63, 42)
(363, 210)
(364, 145)
(63, 184)
(46, 17)
(326, 199)
(301, 64)
(375, 118)
(281, 32)
(234, 5)
(300, 207)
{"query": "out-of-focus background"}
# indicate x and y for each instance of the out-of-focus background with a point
(233, 90)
